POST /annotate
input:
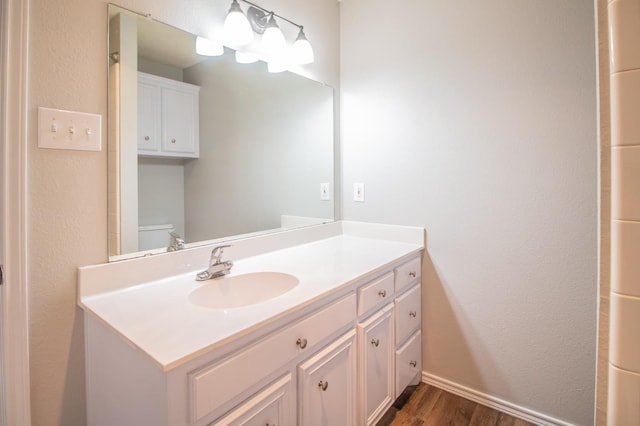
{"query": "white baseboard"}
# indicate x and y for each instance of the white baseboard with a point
(492, 401)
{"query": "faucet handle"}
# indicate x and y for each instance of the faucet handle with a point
(216, 253)
(177, 242)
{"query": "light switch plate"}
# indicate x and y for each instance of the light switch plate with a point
(58, 129)
(325, 195)
(358, 192)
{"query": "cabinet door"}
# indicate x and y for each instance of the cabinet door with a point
(148, 117)
(376, 348)
(274, 405)
(179, 122)
(326, 385)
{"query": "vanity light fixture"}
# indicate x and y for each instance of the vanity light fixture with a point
(273, 46)
(206, 47)
(237, 30)
(301, 50)
(273, 41)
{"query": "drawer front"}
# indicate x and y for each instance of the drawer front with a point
(375, 293)
(217, 384)
(273, 405)
(408, 273)
(408, 362)
(408, 318)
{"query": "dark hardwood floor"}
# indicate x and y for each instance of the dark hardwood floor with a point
(430, 406)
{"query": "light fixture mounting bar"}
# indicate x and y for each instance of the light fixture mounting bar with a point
(269, 12)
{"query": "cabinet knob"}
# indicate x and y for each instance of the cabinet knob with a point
(173, 141)
(375, 342)
(302, 343)
(413, 363)
(412, 274)
(382, 293)
(323, 384)
(413, 314)
(146, 138)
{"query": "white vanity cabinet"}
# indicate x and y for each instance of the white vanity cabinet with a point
(389, 339)
(168, 117)
(336, 355)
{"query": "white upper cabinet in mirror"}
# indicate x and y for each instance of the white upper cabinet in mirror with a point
(254, 163)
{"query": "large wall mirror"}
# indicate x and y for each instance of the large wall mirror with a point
(206, 147)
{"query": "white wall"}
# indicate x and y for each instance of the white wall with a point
(67, 190)
(161, 193)
(266, 144)
(477, 120)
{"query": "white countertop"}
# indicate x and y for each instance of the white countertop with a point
(158, 318)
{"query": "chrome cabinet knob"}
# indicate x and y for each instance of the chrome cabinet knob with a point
(173, 141)
(323, 384)
(146, 138)
(302, 343)
(382, 293)
(375, 342)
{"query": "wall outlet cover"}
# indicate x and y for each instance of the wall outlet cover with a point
(325, 195)
(358, 192)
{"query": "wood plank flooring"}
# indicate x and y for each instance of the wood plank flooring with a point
(430, 406)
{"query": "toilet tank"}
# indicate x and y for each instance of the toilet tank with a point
(154, 236)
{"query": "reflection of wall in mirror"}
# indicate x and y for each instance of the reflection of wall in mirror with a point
(245, 159)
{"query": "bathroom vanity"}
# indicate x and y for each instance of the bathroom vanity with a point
(319, 325)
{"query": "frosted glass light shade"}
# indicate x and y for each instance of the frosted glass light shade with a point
(273, 42)
(206, 47)
(301, 51)
(237, 30)
(246, 57)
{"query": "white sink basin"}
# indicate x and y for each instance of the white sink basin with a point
(234, 291)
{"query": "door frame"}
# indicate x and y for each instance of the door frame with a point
(13, 139)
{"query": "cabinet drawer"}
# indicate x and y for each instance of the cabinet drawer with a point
(272, 405)
(217, 384)
(408, 362)
(408, 318)
(407, 273)
(375, 293)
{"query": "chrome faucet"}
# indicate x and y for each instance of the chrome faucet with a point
(217, 267)
(177, 242)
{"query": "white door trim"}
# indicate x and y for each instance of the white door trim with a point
(13, 124)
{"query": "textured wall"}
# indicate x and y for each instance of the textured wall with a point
(477, 120)
(67, 190)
